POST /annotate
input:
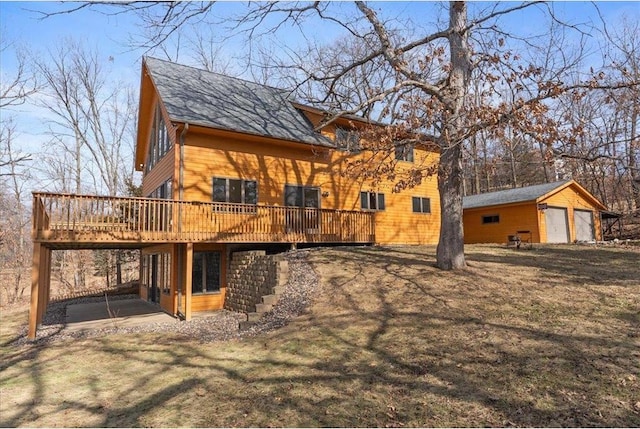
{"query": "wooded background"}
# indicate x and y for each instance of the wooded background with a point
(584, 128)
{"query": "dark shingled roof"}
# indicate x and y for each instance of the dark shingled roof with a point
(517, 195)
(213, 100)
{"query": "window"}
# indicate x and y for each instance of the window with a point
(491, 219)
(347, 140)
(165, 270)
(371, 201)
(235, 191)
(421, 205)
(304, 197)
(404, 152)
(159, 141)
(163, 191)
(159, 214)
(206, 272)
(301, 196)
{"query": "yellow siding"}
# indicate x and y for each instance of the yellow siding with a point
(211, 301)
(273, 165)
(167, 301)
(571, 199)
(162, 171)
(516, 217)
(522, 217)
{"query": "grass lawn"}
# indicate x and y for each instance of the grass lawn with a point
(542, 337)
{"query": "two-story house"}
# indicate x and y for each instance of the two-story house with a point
(230, 164)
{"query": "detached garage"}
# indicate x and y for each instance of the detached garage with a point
(560, 212)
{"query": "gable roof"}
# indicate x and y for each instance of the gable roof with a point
(508, 196)
(212, 100)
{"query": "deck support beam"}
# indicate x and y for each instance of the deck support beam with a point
(35, 291)
(45, 282)
(188, 268)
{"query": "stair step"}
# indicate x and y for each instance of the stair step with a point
(253, 317)
(270, 299)
(245, 324)
(263, 308)
(278, 290)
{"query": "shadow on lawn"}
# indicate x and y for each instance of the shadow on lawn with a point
(408, 355)
(579, 367)
(580, 264)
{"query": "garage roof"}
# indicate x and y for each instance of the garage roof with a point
(508, 196)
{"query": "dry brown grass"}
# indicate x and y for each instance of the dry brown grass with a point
(547, 337)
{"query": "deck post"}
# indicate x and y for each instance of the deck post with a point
(47, 280)
(35, 292)
(188, 268)
(42, 284)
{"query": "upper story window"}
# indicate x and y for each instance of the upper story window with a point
(159, 141)
(372, 201)
(301, 196)
(491, 219)
(347, 140)
(235, 191)
(421, 205)
(404, 152)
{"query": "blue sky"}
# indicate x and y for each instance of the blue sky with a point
(21, 23)
(109, 35)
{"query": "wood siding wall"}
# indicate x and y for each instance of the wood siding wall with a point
(160, 173)
(518, 217)
(521, 217)
(167, 301)
(274, 165)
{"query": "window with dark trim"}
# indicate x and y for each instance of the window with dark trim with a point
(347, 140)
(159, 141)
(302, 196)
(235, 191)
(372, 201)
(206, 272)
(163, 191)
(404, 152)
(165, 270)
(421, 205)
(490, 219)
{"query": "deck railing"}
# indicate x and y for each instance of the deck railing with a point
(68, 218)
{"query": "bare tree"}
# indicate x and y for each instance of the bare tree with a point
(15, 242)
(17, 87)
(93, 116)
(426, 85)
(91, 134)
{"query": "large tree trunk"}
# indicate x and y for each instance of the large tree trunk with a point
(450, 251)
(634, 149)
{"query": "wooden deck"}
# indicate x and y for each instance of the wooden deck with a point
(65, 221)
(68, 221)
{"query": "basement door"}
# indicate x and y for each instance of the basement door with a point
(583, 220)
(557, 225)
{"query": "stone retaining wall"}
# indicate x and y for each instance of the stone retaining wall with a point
(252, 275)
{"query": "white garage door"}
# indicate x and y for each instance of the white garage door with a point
(556, 222)
(584, 225)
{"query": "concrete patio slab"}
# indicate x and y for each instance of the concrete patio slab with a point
(122, 313)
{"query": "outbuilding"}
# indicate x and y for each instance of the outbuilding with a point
(559, 212)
